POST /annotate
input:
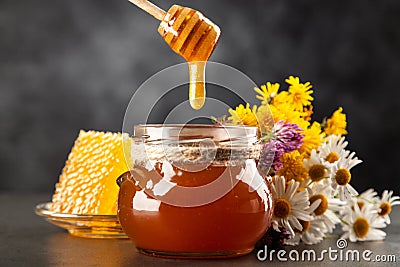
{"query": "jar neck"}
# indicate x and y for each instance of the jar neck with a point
(198, 143)
(218, 133)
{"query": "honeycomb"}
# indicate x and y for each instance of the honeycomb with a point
(87, 182)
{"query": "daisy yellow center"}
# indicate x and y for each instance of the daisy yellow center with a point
(332, 157)
(323, 206)
(386, 208)
(306, 226)
(361, 227)
(282, 208)
(342, 176)
(317, 172)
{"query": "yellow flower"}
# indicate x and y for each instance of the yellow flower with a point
(284, 111)
(337, 123)
(244, 115)
(293, 167)
(277, 113)
(313, 137)
(300, 95)
(302, 123)
(308, 111)
(267, 92)
(282, 98)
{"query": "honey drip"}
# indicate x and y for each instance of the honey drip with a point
(194, 37)
(197, 87)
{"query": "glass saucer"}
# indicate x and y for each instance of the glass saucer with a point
(83, 225)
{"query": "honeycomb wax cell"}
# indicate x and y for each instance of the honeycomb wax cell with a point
(87, 182)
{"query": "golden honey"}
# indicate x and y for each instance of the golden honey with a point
(227, 227)
(161, 211)
(194, 37)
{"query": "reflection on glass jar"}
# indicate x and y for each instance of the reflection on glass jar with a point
(195, 191)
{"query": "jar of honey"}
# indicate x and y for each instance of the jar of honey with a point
(194, 191)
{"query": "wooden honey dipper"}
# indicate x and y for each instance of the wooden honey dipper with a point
(190, 35)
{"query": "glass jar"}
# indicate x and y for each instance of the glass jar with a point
(194, 192)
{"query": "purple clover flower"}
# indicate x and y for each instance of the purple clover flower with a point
(286, 137)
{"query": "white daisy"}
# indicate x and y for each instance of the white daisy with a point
(317, 170)
(333, 150)
(382, 206)
(366, 198)
(290, 205)
(361, 224)
(385, 205)
(369, 195)
(326, 210)
(340, 177)
(313, 231)
(362, 202)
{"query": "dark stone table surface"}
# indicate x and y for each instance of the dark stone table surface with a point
(28, 240)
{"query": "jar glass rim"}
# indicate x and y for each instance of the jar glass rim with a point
(184, 131)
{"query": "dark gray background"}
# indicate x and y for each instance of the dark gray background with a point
(70, 65)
